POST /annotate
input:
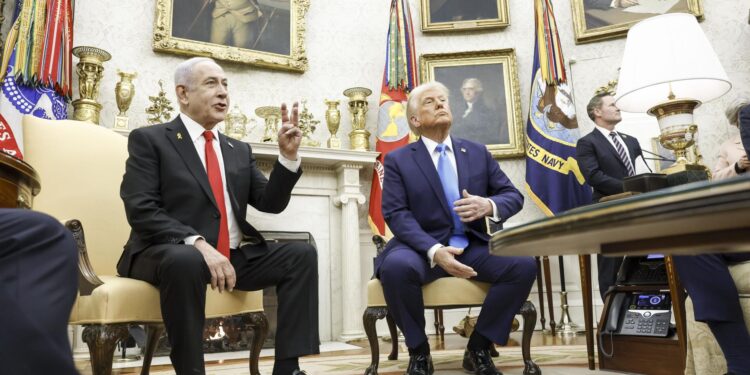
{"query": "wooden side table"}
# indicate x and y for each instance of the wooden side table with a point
(19, 183)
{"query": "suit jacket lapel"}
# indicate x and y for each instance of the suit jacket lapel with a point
(230, 166)
(424, 161)
(462, 164)
(180, 138)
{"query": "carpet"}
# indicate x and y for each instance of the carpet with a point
(447, 362)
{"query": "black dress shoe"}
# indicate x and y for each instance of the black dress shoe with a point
(420, 364)
(299, 372)
(479, 362)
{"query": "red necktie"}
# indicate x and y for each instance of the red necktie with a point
(214, 178)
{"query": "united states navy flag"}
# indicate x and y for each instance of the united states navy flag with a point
(553, 179)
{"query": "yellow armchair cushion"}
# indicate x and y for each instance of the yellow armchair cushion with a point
(741, 275)
(445, 291)
(122, 300)
(81, 166)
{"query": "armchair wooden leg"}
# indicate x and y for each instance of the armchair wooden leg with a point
(441, 326)
(394, 337)
(259, 324)
(528, 312)
(102, 340)
(153, 333)
(371, 315)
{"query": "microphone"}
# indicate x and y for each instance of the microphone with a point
(658, 157)
(644, 162)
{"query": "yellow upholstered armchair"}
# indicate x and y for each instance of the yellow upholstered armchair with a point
(81, 167)
(704, 356)
(443, 293)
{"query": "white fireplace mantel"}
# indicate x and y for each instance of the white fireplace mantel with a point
(326, 203)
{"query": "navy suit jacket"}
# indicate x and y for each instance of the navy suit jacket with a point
(601, 165)
(414, 204)
(167, 195)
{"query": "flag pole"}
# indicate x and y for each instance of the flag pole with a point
(566, 327)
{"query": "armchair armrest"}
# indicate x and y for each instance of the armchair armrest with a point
(87, 278)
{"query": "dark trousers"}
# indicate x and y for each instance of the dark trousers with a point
(38, 285)
(404, 271)
(709, 284)
(182, 275)
(607, 268)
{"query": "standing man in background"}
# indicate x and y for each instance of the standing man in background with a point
(186, 190)
(605, 157)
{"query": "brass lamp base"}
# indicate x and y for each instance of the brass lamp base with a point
(683, 167)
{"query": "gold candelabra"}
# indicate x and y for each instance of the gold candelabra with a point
(359, 137)
(89, 69)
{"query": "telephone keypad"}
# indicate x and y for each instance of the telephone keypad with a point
(646, 323)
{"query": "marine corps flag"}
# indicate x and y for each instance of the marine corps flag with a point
(399, 78)
(553, 180)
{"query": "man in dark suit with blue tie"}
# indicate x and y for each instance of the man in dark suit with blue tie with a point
(436, 195)
(186, 190)
(606, 157)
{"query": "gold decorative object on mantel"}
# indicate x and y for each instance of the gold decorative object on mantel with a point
(271, 115)
(333, 119)
(161, 109)
(124, 93)
(307, 124)
(359, 138)
(235, 124)
(89, 68)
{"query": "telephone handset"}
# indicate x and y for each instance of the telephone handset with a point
(615, 309)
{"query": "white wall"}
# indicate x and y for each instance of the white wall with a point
(345, 46)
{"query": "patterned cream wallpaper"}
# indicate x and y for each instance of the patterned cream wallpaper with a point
(345, 46)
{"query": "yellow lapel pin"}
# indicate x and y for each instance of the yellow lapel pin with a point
(179, 136)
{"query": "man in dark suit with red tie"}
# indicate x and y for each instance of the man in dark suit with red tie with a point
(186, 189)
(605, 157)
(436, 194)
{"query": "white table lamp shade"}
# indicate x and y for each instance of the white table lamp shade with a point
(666, 52)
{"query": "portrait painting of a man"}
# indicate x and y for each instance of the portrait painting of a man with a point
(477, 104)
(483, 96)
(236, 30)
(261, 25)
(444, 15)
(603, 19)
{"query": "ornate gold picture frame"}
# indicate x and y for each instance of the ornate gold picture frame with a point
(595, 20)
(489, 80)
(266, 33)
(454, 15)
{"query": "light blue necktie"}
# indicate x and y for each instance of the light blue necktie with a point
(449, 179)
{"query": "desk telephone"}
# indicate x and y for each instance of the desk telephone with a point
(637, 314)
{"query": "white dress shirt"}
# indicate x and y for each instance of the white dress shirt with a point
(435, 155)
(196, 135)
